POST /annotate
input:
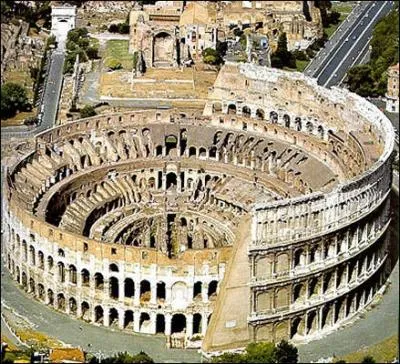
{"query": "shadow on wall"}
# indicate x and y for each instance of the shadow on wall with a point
(394, 229)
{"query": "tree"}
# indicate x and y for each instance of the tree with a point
(282, 57)
(113, 64)
(123, 28)
(229, 358)
(113, 28)
(87, 111)
(13, 100)
(124, 358)
(211, 56)
(359, 79)
(286, 353)
(92, 52)
(263, 352)
(368, 359)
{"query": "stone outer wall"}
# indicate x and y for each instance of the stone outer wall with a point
(312, 261)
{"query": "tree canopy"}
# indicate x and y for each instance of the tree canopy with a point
(124, 358)
(87, 111)
(371, 80)
(262, 352)
(13, 100)
(282, 57)
(212, 56)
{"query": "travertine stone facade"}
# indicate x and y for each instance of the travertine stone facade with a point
(264, 218)
(392, 94)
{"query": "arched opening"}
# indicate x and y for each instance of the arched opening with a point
(98, 281)
(41, 259)
(231, 109)
(32, 255)
(41, 291)
(114, 268)
(246, 112)
(297, 123)
(85, 311)
(85, 277)
(171, 143)
(297, 292)
(321, 132)
(273, 117)
(50, 263)
(31, 285)
(72, 274)
(197, 287)
(128, 319)
(129, 288)
(98, 314)
(212, 289)
(145, 291)
(161, 291)
(163, 50)
(160, 324)
(61, 302)
(114, 288)
(72, 305)
(50, 297)
(260, 114)
(309, 127)
(61, 271)
(192, 152)
(171, 181)
(113, 317)
(295, 326)
(159, 150)
(202, 152)
(144, 322)
(286, 120)
(197, 323)
(178, 323)
(213, 152)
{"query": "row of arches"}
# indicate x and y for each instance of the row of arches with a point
(273, 117)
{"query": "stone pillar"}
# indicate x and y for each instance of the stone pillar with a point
(204, 292)
(168, 319)
(121, 290)
(121, 318)
(106, 288)
(189, 325)
(106, 317)
(93, 319)
(136, 321)
(204, 324)
(136, 297)
(153, 288)
(153, 319)
(168, 294)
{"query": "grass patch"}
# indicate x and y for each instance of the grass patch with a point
(342, 8)
(118, 49)
(10, 345)
(18, 119)
(301, 65)
(37, 339)
(332, 28)
(383, 352)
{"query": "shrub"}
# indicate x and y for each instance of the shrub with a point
(88, 111)
(113, 64)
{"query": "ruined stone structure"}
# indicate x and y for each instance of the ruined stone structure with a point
(63, 19)
(300, 20)
(392, 94)
(264, 218)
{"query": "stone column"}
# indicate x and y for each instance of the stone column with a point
(204, 292)
(136, 321)
(121, 318)
(204, 324)
(106, 317)
(168, 319)
(106, 288)
(121, 290)
(189, 325)
(136, 296)
(153, 288)
(153, 319)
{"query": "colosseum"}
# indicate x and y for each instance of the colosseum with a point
(263, 217)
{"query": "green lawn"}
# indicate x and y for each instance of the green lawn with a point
(118, 49)
(383, 352)
(300, 66)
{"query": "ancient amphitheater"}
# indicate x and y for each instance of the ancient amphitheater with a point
(263, 217)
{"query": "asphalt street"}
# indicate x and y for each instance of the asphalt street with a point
(49, 106)
(352, 45)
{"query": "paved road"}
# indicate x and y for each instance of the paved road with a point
(51, 98)
(336, 38)
(351, 46)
